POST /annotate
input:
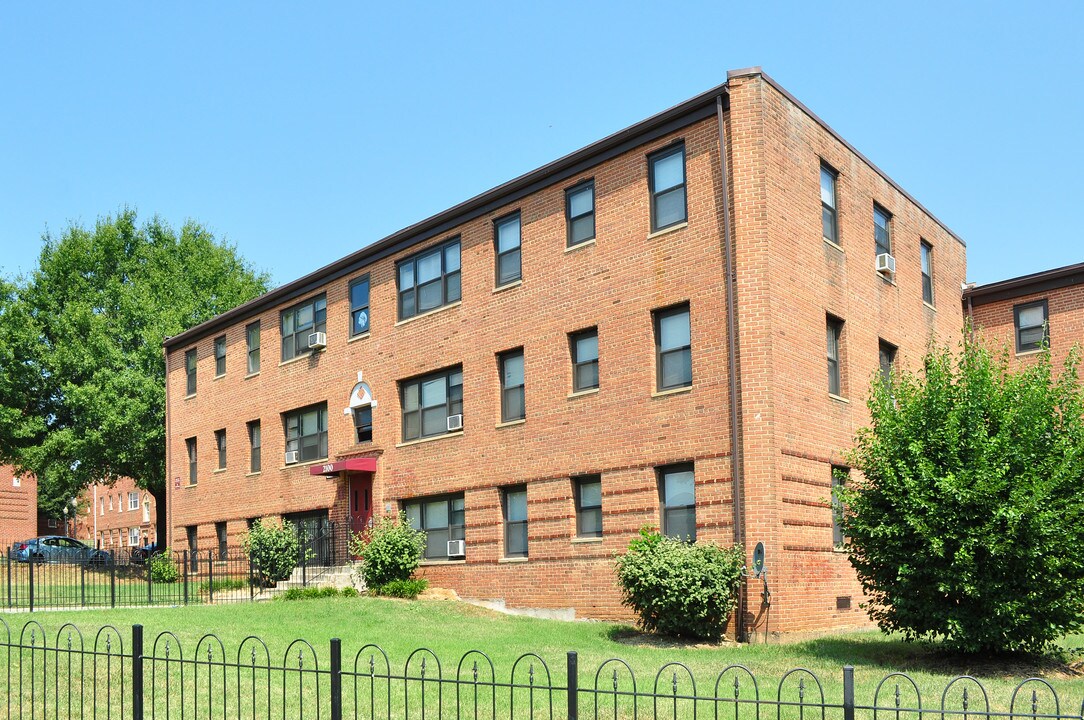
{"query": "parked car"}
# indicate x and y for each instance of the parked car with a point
(141, 554)
(59, 549)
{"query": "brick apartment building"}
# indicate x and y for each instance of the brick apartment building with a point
(1023, 312)
(545, 368)
(18, 507)
(117, 517)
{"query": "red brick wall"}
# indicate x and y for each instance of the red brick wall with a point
(996, 323)
(18, 507)
(104, 517)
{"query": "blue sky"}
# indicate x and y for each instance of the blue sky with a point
(303, 131)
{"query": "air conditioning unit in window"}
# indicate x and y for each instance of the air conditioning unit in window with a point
(455, 422)
(317, 341)
(456, 548)
(886, 264)
(291, 456)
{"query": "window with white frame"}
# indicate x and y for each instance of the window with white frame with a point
(133, 536)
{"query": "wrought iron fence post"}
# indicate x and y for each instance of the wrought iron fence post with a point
(251, 581)
(31, 562)
(112, 578)
(848, 692)
(185, 577)
(574, 686)
(9, 580)
(304, 565)
(210, 577)
(147, 571)
(137, 672)
(336, 679)
(83, 585)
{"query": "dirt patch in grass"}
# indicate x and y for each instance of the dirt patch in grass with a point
(627, 635)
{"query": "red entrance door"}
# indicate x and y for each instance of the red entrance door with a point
(361, 502)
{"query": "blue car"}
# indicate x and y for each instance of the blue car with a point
(58, 549)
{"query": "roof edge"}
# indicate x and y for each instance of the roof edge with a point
(1026, 284)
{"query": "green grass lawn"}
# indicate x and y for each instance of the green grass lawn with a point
(451, 629)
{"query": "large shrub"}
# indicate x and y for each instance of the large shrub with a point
(967, 525)
(163, 569)
(273, 549)
(678, 588)
(389, 550)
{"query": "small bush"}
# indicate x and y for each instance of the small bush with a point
(390, 550)
(163, 569)
(407, 589)
(317, 593)
(220, 584)
(680, 589)
(273, 549)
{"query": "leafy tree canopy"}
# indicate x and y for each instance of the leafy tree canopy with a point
(82, 386)
(968, 524)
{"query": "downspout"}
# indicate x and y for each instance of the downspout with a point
(737, 469)
(168, 529)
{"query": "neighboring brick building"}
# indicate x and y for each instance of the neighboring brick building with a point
(18, 507)
(545, 368)
(1015, 313)
(116, 517)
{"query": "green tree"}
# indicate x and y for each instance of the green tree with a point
(82, 370)
(968, 523)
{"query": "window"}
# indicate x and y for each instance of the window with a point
(584, 347)
(927, 272)
(677, 490)
(828, 204)
(306, 432)
(588, 505)
(882, 230)
(840, 476)
(133, 537)
(429, 280)
(146, 508)
(673, 348)
(133, 501)
(220, 355)
(190, 371)
(223, 540)
(512, 400)
(254, 447)
(120, 504)
(887, 354)
(190, 445)
(101, 503)
(110, 503)
(442, 519)
(515, 522)
(53, 523)
(300, 320)
(363, 423)
(506, 239)
(220, 443)
(359, 306)
(252, 337)
(580, 212)
(1032, 331)
(429, 401)
(666, 178)
(835, 335)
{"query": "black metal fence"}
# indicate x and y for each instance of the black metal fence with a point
(120, 578)
(114, 674)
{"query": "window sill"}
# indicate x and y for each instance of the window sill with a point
(839, 549)
(218, 377)
(508, 286)
(1026, 353)
(931, 307)
(668, 230)
(672, 391)
(839, 398)
(586, 540)
(218, 471)
(310, 354)
(189, 486)
(321, 461)
(889, 280)
(252, 375)
(582, 393)
(834, 245)
(355, 338)
(510, 423)
(580, 245)
(189, 397)
(438, 563)
(419, 441)
(254, 474)
(511, 560)
(427, 313)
